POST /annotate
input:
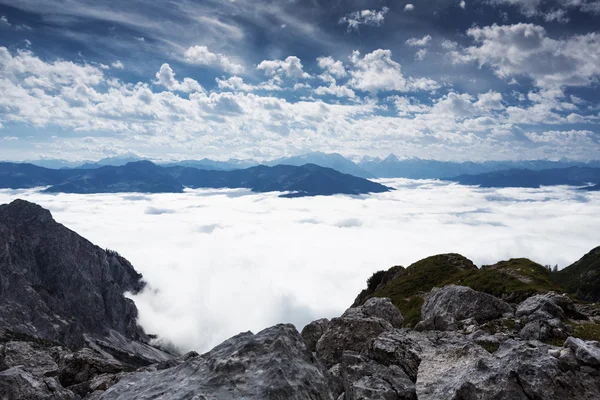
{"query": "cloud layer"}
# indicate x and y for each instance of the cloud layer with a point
(219, 262)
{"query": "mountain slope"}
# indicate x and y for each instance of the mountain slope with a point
(329, 160)
(140, 176)
(56, 285)
(574, 176)
(583, 276)
(144, 176)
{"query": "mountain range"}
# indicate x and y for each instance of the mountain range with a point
(572, 176)
(144, 176)
(364, 167)
(441, 328)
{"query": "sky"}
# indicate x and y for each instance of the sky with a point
(220, 262)
(186, 79)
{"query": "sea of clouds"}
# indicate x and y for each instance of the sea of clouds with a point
(219, 262)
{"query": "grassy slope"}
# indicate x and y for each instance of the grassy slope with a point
(514, 280)
(583, 277)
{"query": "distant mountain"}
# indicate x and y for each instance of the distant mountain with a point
(416, 168)
(391, 166)
(206, 163)
(574, 176)
(144, 176)
(329, 160)
(583, 276)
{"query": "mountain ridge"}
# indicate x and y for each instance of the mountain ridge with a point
(145, 176)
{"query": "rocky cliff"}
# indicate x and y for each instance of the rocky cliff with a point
(463, 344)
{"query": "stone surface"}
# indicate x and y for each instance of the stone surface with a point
(377, 308)
(312, 332)
(273, 364)
(348, 334)
(462, 302)
(586, 352)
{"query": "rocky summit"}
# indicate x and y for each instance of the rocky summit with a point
(440, 329)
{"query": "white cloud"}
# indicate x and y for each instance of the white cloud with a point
(290, 67)
(409, 7)
(166, 77)
(539, 8)
(237, 84)
(335, 90)
(462, 4)
(424, 41)
(526, 50)
(332, 66)
(564, 137)
(449, 45)
(118, 64)
(377, 71)
(4, 21)
(201, 55)
(364, 17)
(140, 39)
(420, 55)
(9, 138)
(196, 279)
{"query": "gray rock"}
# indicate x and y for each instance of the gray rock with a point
(313, 332)
(462, 302)
(395, 348)
(452, 367)
(437, 322)
(586, 352)
(17, 383)
(544, 303)
(273, 364)
(377, 307)
(367, 379)
(56, 285)
(346, 334)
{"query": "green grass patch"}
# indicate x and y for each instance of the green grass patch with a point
(587, 331)
(490, 347)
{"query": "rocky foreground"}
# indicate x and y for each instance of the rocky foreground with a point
(527, 343)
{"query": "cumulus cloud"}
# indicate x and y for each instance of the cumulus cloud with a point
(364, 17)
(201, 55)
(377, 71)
(166, 77)
(526, 50)
(409, 7)
(291, 67)
(420, 55)
(293, 260)
(118, 64)
(4, 21)
(332, 66)
(539, 8)
(415, 42)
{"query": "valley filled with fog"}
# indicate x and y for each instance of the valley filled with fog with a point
(219, 262)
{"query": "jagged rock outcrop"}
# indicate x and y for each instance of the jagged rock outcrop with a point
(444, 306)
(64, 319)
(273, 364)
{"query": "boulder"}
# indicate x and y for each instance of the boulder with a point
(461, 302)
(312, 332)
(544, 305)
(377, 307)
(346, 334)
(395, 348)
(272, 364)
(366, 379)
(586, 352)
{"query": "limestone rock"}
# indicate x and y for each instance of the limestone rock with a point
(348, 334)
(377, 308)
(273, 364)
(462, 302)
(313, 332)
(586, 352)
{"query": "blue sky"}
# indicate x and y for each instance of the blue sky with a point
(448, 80)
